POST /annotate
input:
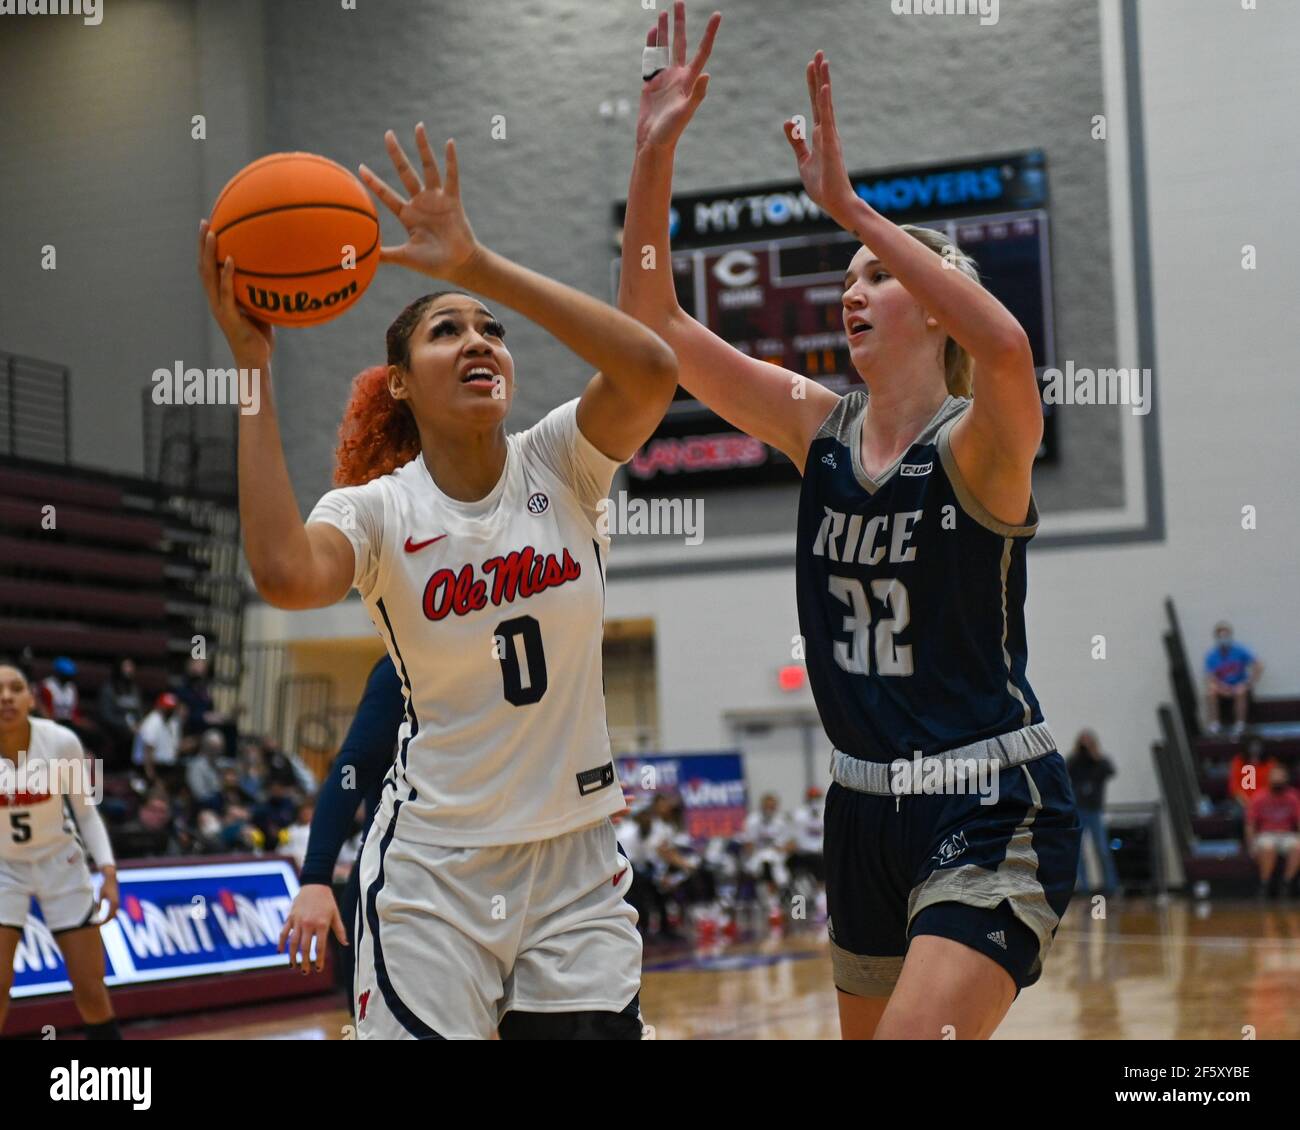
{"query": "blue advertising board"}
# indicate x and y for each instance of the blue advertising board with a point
(175, 921)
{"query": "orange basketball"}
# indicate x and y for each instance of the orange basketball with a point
(289, 220)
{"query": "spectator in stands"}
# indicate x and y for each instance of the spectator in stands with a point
(1090, 769)
(203, 770)
(687, 877)
(272, 806)
(58, 692)
(251, 766)
(1231, 672)
(60, 701)
(184, 813)
(806, 860)
(150, 833)
(1249, 774)
(293, 839)
(156, 817)
(238, 832)
(120, 711)
(195, 695)
(633, 835)
(768, 840)
(1273, 829)
(158, 741)
(285, 769)
(673, 861)
(279, 807)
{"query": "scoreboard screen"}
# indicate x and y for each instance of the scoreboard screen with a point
(778, 299)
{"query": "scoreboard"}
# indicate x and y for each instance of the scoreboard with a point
(779, 299)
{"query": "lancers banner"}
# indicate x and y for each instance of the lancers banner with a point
(711, 785)
(175, 921)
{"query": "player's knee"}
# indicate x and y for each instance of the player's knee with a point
(90, 995)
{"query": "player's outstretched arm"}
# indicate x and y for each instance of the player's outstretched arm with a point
(637, 374)
(773, 404)
(291, 567)
(1004, 426)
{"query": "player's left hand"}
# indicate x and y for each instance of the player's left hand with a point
(313, 915)
(821, 168)
(669, 99)
(441, 242)
(109, 893)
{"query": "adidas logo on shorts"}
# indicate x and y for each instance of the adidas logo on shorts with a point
(998, 936)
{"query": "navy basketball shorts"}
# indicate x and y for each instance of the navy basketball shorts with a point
(995, 877)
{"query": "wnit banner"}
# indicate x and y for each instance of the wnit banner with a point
(175, 921)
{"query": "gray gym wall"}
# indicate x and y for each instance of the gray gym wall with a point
(101, 164)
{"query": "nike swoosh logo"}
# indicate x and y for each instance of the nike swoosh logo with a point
(619, 876)
(413, 546)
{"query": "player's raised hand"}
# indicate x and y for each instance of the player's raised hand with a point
(821, 167)
(669, 99)
(250, 339)
(440, 241)
(313, 915)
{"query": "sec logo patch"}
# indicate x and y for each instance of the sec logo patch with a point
(538, 503)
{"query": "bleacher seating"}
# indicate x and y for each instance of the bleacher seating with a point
(1192, 767)
(123, 570)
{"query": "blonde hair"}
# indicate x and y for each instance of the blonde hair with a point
(958, 365)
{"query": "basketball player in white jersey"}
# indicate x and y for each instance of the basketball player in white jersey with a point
(491, 882)
(49, 826)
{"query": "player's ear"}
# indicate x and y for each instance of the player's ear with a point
(397, 382)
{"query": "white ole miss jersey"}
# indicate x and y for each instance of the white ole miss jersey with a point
(493, 613)
(47, 798)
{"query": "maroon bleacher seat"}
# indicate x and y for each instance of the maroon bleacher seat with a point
(91, 600)
(77, 639)
(75, 560)
(27, 514)
(57, 486)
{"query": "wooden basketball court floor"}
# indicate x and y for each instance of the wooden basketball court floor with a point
(1171, 971)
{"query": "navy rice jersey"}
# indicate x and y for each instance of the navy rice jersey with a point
(911, 596)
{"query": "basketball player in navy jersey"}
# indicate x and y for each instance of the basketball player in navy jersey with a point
(951, 832)
(491, 883)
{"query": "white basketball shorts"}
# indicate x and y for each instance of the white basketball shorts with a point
(450, 939)
(59, 880)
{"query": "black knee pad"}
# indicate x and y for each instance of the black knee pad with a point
(625, 1025)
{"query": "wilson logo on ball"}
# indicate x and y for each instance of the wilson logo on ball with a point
(268, 301)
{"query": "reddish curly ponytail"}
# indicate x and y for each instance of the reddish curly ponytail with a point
(378, 434)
